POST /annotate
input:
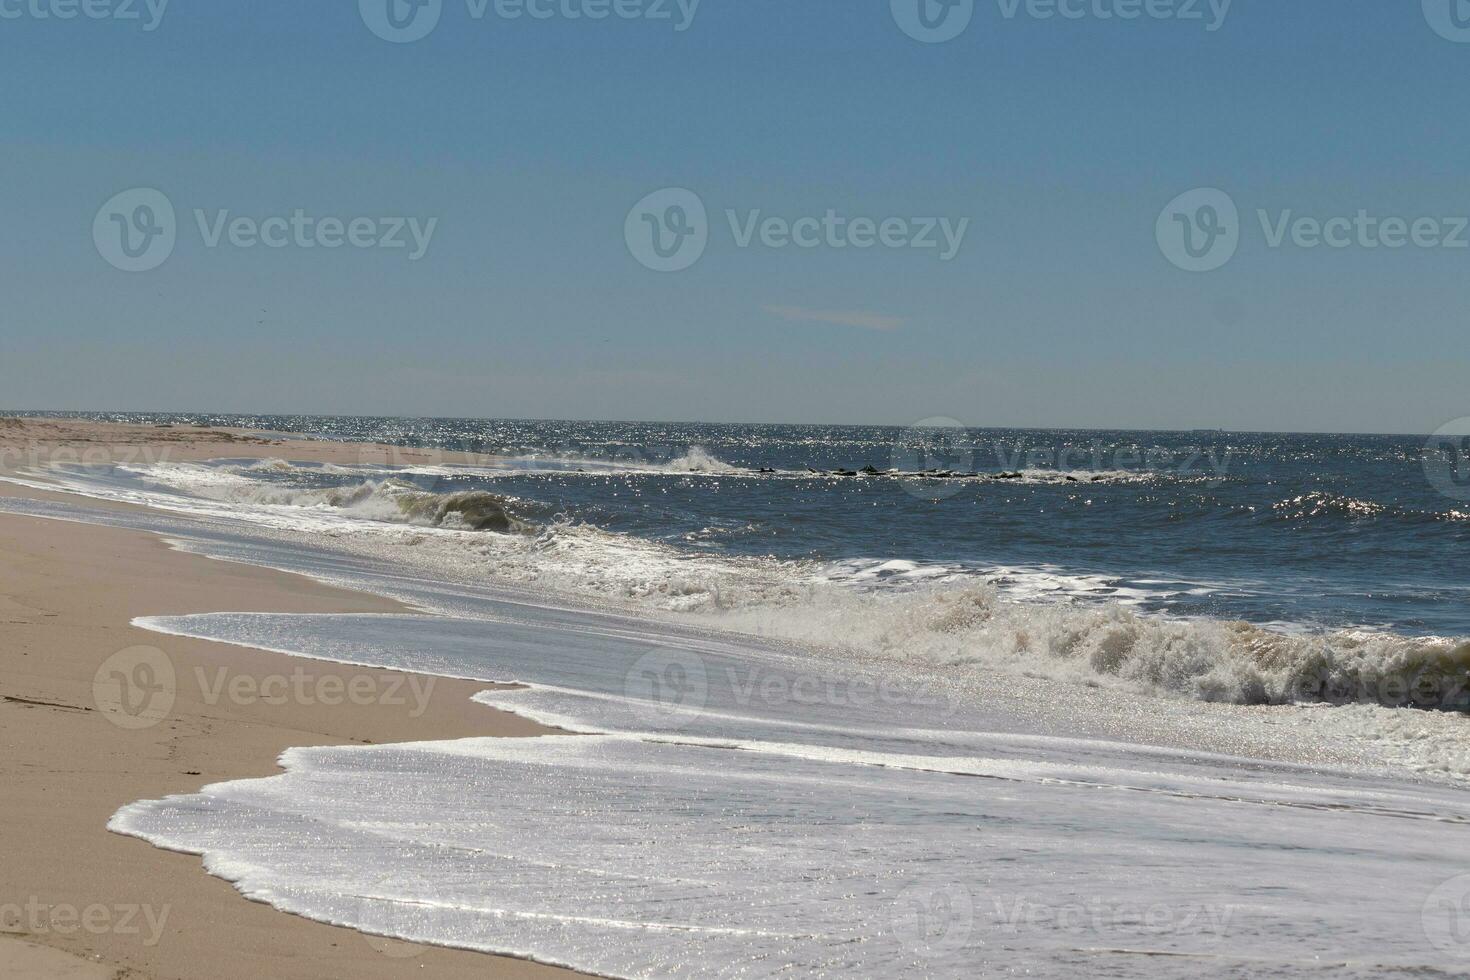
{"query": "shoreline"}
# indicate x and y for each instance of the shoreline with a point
(80, 900)
(1283, 778)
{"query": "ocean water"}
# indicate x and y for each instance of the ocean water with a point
(1109, 704)
(1308, 530)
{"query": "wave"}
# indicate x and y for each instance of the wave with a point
(970, 632)
(1320, 503)
(393, 500)
(1323, 504)
(700, 460)
(285, 466)
(696, 459)
(969, 624)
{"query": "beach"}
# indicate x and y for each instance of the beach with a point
(327, 704)
(84, 902)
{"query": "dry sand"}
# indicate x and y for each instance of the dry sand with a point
(76, 900)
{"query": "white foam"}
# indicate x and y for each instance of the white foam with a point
(744, 828)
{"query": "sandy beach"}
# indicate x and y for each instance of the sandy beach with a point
(79, 901)
(903, 758)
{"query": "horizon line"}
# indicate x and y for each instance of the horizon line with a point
(1194, 430)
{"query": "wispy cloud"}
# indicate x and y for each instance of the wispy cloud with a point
(844, 318)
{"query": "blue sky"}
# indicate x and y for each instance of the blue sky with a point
(529, 141)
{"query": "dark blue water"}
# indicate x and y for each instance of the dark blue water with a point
(1316, 530)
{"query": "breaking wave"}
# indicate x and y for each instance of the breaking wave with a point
(390, 500)
(701, 460)
(973, 632)
(971, 625)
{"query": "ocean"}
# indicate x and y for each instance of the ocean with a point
(927, 700)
